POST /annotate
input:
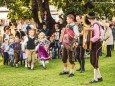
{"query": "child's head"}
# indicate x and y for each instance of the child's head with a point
(17, 39)
(5, 40)
(31, 32)
(11, 36)
(11, 40)
(52, 37)
(41, 35)
(7, 29)
(56, 26)
(44, 26)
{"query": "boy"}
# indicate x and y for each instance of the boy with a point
(30, 45)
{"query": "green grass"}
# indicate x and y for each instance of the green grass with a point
(11, 76)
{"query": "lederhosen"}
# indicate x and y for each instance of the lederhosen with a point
(94, 52)
(68, 53)
(80, 51)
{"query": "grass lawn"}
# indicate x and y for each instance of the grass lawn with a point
(11, 76)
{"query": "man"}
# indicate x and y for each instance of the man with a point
(68, 52)
(96, 47)
(80, 50)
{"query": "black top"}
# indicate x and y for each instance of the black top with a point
(31, 43)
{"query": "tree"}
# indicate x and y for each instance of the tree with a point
(84, 6)
(28, 9)
(35, 12)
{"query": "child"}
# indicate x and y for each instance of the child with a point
(24, 54)
(17, 47)
(52, 47)
(10, 51)
(42, 48)
(5, 53)
(29, 42)
(6, 33)
(57, 37)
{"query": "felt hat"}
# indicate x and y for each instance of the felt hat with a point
(91, 15)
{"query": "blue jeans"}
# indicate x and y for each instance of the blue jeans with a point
(58, 47)
(11, 59)
(6, 56)
(53, 53)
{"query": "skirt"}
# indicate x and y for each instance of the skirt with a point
(43, 54)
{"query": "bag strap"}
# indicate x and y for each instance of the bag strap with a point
(98, 26)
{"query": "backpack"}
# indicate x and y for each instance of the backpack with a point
(101, 34)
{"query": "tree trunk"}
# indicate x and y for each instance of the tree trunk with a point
(40, 6)
(35, 12)
(51, 20)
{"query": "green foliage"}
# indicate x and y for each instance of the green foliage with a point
(21, 9)
(18, 9)
(85, 6)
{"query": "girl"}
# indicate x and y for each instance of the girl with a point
(10, 51)
(42, 48)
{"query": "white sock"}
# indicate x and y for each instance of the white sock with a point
(25, 63)
(28, 65)
(65, 69)
(32, 66)
(43, 63)
(72, 71)
(46, 61)
(98, 73)
(95, 74)
(16, 65)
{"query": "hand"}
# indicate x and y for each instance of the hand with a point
(85, 40)
(75, 44)
(83, 45)
(75, 36)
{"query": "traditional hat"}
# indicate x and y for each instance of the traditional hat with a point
(91, 15)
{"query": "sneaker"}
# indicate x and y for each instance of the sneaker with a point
(71, 75)
(32, 68)
(64, 73)
(93, 81)
(44, 68)
(16, 65)
(100, 79)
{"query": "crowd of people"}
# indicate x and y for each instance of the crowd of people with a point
(23, 42)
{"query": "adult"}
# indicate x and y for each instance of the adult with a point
(67, 51)
(96, 47)
(108, 38)
(113, 33)
(80, 51)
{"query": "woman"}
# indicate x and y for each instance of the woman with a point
(108, 38)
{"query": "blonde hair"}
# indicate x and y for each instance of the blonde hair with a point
(41, 33)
